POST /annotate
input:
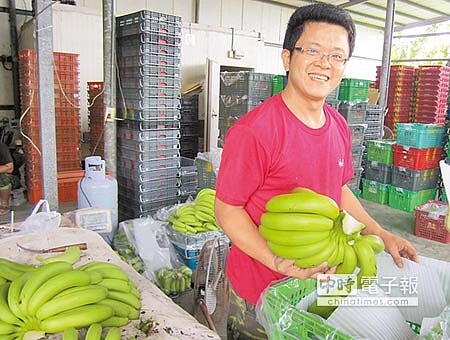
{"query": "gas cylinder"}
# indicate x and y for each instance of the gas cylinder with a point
(98, 190)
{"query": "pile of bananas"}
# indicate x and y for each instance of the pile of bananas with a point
(196, 217)
(174, 281)
(308, 227)
(55, 297)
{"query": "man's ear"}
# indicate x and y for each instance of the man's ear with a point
(286, 58)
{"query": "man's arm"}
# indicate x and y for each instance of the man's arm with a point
(243, 233)
(398, 247)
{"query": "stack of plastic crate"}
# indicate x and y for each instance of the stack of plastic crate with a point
(278, 83)
(374, 121)
(416, 165)
(378, 170)
(431, 94)
(353, 96)
(189, 178)
(148, 100)
(332, 98)
(190, 126)
(400, 95)
(96, 118)
(67, 124)
(239, 93)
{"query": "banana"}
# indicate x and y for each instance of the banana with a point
(70, 334)
(127, 298)
(113, 334)
(207, 209)
(210, 226)
(115, 321)
(116, 284)
(23, 267)
(109, 272)
(323, 311)
(366, 261)
(317, 258)
(92, 294)
(135, 292)
(304, 201)
(39, 277)
(296, 252)
(77, 318)
(205, 191)
(73, 290)
(185, 209)
(6, 328)
(349, 262)
(296, 221)
(121, 309)
(204, 217)
(375, 241)
(56, 285)
(9, 273)
(3, 281)
(94, 332)
(292, 238)
(187, 218)
(5, 312)
(14, 294)
(70, 255)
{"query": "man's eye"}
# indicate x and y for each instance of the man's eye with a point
(312, 51)
(337, 56)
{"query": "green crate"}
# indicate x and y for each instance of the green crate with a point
(380, 151)
(206, 174)
(375, 191)
(354, 89)
(407, 200)
(421, 136)
(281, 299)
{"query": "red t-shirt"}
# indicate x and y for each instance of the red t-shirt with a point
(267, 152)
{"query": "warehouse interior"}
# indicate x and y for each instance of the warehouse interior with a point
(134, 98)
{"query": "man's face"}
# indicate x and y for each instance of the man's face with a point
(314, 77)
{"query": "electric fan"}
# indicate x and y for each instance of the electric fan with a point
(211, 288)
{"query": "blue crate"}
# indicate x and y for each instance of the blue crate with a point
(421, 136)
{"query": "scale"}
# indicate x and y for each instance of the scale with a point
(95, 219)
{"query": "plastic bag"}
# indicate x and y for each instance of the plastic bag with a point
(41, 221)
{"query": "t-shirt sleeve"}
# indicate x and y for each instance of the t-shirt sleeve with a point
(242, 166)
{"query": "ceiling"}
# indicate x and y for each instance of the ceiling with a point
(371, 13)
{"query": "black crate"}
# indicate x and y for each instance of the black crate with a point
(250, 84)
(378, 172)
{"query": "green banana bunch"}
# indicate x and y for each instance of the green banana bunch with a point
(367, 262)
(54, 297)
(70, 255)
(9, 270)
(174, 281)
(94, 332)
(196, 217)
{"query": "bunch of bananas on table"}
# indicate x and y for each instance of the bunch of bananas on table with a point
(174, 281)
(56, 297)
(196, 217)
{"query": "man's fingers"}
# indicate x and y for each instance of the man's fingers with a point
(397, 258)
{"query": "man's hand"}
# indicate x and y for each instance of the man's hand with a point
(287, 267)
(398, 247)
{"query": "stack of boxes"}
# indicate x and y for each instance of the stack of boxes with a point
(190, 126)
(378, 170)
(96, 118)
(353, 96)
(400, 95)
(431, 94)
(148, 100)
(333, 98)
(239, 93)
(416, 165)
(67, 123)
(374, 121)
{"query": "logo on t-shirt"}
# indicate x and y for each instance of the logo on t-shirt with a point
(341, 162)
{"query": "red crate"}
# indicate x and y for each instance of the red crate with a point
(417, 159)
(431, 225)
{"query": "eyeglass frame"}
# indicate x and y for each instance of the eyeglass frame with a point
(332, 61)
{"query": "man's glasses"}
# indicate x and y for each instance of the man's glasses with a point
(335, 59)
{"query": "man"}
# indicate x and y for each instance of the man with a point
(6, 168)
(293, 139)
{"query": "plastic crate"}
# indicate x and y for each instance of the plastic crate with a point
(357, 154)
(415, 179)
(243, 83)
(206, 174)
(375, 191)
(281, 299)
(354, 89)
(420, 135)
(407, 200)
(189, 256)
(378, 172)
(355, 182)
(354, 113)
(416, 159)
(357, 131)
(380, 151)
(430, 221)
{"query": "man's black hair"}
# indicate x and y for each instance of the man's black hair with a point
(318, 13)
